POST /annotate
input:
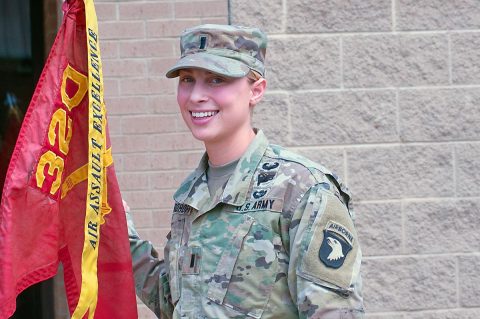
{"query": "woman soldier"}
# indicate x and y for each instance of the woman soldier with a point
(257, 231)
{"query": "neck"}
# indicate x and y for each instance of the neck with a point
(231, 149)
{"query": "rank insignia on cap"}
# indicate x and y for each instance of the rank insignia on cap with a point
(337, 243)
(203, 42)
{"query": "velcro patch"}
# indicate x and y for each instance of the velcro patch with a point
(332, 245)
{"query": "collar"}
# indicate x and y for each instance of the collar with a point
(235, 191)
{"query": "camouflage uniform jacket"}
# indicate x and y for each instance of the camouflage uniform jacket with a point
(278, 241)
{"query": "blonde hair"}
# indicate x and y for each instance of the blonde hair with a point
(254, 76)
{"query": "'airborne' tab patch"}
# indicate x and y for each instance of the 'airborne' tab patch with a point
(340, 230)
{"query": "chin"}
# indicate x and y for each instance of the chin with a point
(201, 136)
(206, 137)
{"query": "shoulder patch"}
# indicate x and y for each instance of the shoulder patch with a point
(337, 243)
(331, 245)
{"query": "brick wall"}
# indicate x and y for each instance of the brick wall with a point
(153, 149)
(384, 92)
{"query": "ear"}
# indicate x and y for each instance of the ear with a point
(258, 89)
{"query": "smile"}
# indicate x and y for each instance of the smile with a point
(203, 114)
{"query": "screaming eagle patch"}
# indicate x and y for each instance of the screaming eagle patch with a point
(330, 246)
(337, 243)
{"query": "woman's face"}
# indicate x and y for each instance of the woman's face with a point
(215, 108)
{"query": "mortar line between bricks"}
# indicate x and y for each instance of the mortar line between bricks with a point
(149, 39)
(390, 88)
(421, 311)
(117, 12)
(417, 199)
(174, 133)
(457, 281)
(159, 211)
(450, 67)
(274, 92)
(422, 256)
(168, 19)
(397, 111)
(454, 164)
(284, 15)
(384, 144)
(368, 33)
(158, 191)
(289, 120)
(380, 201)
(150, 115)
(403, 223)
(340, 48)
(156, 171)
(153, 228)
(303, 147)
(394, 18)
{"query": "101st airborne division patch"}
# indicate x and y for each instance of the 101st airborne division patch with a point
(337, 243)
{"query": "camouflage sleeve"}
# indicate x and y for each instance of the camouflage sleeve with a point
(151, 283)
(324, 268)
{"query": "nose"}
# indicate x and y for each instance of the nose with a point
(199, 93)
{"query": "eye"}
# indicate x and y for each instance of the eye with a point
(217, 80)
(186, 79)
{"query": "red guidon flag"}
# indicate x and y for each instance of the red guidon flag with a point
(61, 201)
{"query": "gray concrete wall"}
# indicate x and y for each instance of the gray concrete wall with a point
(385, 92)
(388, 94)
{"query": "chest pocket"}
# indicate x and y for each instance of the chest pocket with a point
(246, 271)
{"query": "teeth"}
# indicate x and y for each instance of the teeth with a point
(204, 114)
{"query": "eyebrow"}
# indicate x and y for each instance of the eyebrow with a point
(190, 71)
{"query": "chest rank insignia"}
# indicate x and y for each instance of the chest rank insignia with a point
(337, 243)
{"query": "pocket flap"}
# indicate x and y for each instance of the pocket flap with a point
(222, 275)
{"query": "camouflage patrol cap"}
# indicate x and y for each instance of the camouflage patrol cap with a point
(223, 49)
